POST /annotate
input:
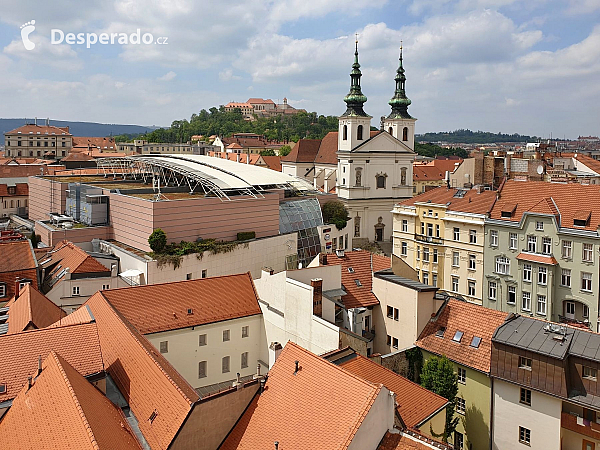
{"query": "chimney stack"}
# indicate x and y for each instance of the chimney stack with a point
(297, 363)
(276, 445)
(39, 371)
(17, 288)
(261, 389)
(317, 285)
(29, 384)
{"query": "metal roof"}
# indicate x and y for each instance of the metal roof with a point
(388, 275)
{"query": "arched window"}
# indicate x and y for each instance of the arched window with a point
(359, 133)
(391, 131)
(345, 135)
(358, 177)
(405, 134)
(403, 176)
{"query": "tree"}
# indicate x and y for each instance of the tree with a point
(438, 376)
(268, 152)
(158, 240)
(285, 150)
(336, 213)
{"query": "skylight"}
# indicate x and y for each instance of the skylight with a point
(440, 332)
(358, 283)
(457, 336)
(475, 342)
(2, 388)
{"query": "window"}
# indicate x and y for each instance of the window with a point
(188, 276)
(513, 241)
(462, 375)
(226, 335)
(395, 344)
(539, 226)
(202, 369)
(565, 278)
(586, 281)
(203, 273)
(456, 234)
(471, 262)
(390, 312)
(345, 133)
(426, 254)
(570, 307)
(471, 290)
(225, 364)
(546, 245)
(389, 340)
(434, 280)
(455, 259)
(457, 336)
(440, 332)
(2, 290)
(380, 182)
(527, 272)
(473, 236)
(437, 229)
(524, 363)
(405, 134)
(164, 346)
(244, 362)
(459, 441)
(526, 304)
(531, 244)
(542, 275)
(541, 304)
(425, 277)
(396, 314)
(75, 290)
(475, 342)
(524, 435)
(525, 397)
(423, 228)
(404, 249)
(589, 373)
(502, 265)
(588, 252)
(494, 238)
(566, 249)
(586, 311)
(492, 290)
(430, 229)
(460, 405)
(455, 284)
(359, 132)
(418, 252)
(245, 331)
(202, 340)
(405, 225)
(105, 287)
(357, 282)
(2, 388)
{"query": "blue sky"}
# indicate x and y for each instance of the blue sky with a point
(526, 66)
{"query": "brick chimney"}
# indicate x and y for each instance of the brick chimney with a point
(17, 288)
(317, 285)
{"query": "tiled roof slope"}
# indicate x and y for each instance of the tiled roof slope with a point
(144, 377)
(472, 202)
(403, 441)
(473, 320)
(16, 255)
(329, 147)
(414, 403)
(162, 307)
(81, 315)
(63, 410)
(19, 353)
(363, 264)
(422, 172)
(42, 129)
(321, 407)
(567, 198)
(304, 151)
(77, 260)
(31, 309)
(273, 162)
(21, 189)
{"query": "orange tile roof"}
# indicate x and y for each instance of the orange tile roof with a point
(161, 307)
(145, 378)
(472, 202)
(363, 264)
(42, 129)
(69, 255)
(103, 143)
(17, 255)
(537, 258)
(31, 309)
(81, 315)
(273, 162)
(19, 353)
(260, 101)
(550, 198)
(320, 407)
(21, 189)
(403, 441)
(63, 410)
(415, 404)
(473, 320)
(304, 151)
(427, 173)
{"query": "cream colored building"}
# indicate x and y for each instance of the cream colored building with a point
(38, 141)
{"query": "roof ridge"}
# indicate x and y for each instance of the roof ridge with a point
(78, 406)
(45, 329)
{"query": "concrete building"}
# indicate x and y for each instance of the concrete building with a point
(38, 141)
(541, 246)
(441, 235)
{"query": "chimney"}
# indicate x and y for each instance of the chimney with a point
(29, 384)
(17, 288)
(247, 158)
(317, 285)
(323, 259)
(297, 368)
(257, 374)
(276, 445)
(238, 382)
(274, 351)
(39, 371)
(237, 157)
(261, 389)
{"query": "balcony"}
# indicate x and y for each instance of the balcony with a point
(580, 425)
(429, 239)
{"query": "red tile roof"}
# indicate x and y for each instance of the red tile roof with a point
(537, 258)
(42, 129)
(63, 410)
(473, 320)
(102, 143)
(471, 202)
(404, 441)
(17, 255)
(427, 173)
(320, 407)
(273, 162)
(19, 353)
(550, 198)
(67, 254)
(81, 315)
(260, 101)
(162, 307)
(415, 404)
(21, 189)
(31, 309)
(363, 264)
(304, 151)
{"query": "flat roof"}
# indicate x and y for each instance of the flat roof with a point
(388, 275)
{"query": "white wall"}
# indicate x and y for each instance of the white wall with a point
(378, 421)
(542, 418)
(62, 292)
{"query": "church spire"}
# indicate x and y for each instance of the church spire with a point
(355, 98)
(399, 102)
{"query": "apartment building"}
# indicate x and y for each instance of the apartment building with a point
(39, 141)
(142, 147)
(440, 233)
(541, 247)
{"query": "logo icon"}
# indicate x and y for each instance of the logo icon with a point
(26, 30)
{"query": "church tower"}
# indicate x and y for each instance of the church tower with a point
(355, 123)
(399, 123)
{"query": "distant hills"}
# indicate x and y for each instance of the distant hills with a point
(473, 137)
(91, 129)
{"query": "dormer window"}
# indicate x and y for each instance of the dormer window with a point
(508, 210)
(440, 333)
(582, 218)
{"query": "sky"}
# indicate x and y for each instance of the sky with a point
(512, 66)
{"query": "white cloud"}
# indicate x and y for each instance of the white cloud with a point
(167, 76)
(45, 53)
(227, 75)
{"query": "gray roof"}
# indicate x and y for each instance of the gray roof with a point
(12, 181)
(388, 275)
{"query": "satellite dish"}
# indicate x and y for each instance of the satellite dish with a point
(540, 170)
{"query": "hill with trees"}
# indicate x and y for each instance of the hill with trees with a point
(465, 136)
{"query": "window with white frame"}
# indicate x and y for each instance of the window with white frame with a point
(226, 335)
(531, 244)
(455, 259)
(494, 238)
(570, 308)
(546, 245)
(567, 249)
(471, 287)
(524, 363)
(471, 262)
(542, 275)
(526, 303)
(425, 277)
(75, 290)
(426, 254)
(105, 287)
(437, 230)
(527, 272)
(473, 236)
(434, 279)
(423, 228)
(455, 284)
(395, 343)
(245, 331)
(456, 234)
(588, 253)
(511, 292)
(586, 311)
(539, 226)
(462, 375)
(589, 373)
(430, 229)
(2, 290)
(404, 225)
(541, 304)
(525, 397)
(586, 281)
(502, 265)
(565, 277)
(524, 435)
(460, 405)
(493, 288)
(404, 249)
(512, 241)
